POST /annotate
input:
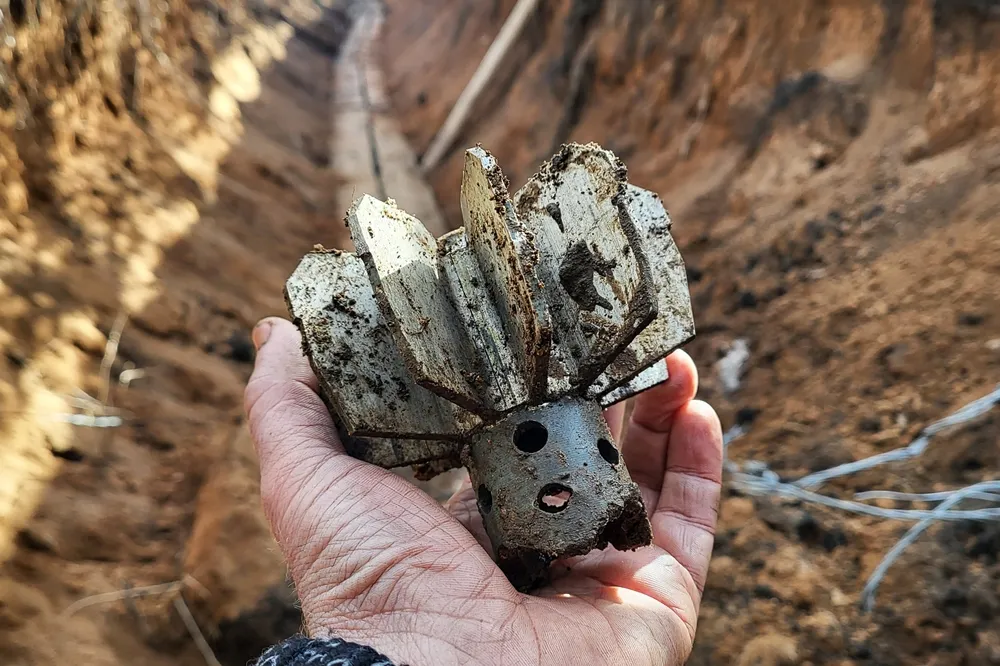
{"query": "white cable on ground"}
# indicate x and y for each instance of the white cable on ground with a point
(731, 367)
(916, 448)
(88, 420)
(118, 595)
(768, 484)
(923, 497)
(194, 630)
(868, 594)
(756, 478)
(732, 435)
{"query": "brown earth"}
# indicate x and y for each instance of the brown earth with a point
(830, 166)
(136, 182)
(831, 169)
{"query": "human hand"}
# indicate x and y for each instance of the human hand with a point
(376, 561)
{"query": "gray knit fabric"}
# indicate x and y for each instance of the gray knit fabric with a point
(302, 651)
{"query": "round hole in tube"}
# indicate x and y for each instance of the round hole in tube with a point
(608, 451)
(554, 497)
(530, 436)
(485, 498)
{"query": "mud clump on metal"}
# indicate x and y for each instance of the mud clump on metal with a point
(498, 345)
(576, 274)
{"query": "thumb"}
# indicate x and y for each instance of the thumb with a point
(341, 523)
(292, 430)
(288, 420)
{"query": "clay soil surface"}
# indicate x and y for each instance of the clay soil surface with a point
(182, 196)
(832, 171)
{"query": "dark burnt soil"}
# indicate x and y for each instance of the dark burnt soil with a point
(830, 168)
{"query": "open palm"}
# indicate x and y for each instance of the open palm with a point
(376, 561)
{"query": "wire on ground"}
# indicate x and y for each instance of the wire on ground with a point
(177, 586)
(757, 478)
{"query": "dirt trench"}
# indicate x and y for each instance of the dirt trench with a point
(830, 168)
(840, 217)
(175, 177)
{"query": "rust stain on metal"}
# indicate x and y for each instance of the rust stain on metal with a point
(498, 345)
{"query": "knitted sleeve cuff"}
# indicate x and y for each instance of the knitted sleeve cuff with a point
(302, 651)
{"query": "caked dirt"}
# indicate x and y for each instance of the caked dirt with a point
(831, 167)
(831, 170)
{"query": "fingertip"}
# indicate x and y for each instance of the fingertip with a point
(681, 365)
(284, 411)
(696, 441)
(279, 353)
(704, 413)
(655, 407)
(615, 418)
(261, 332)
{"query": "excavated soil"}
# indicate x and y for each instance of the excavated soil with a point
(182, 196)
(831, 168)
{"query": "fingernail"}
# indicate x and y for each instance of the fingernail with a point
(261, 332)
